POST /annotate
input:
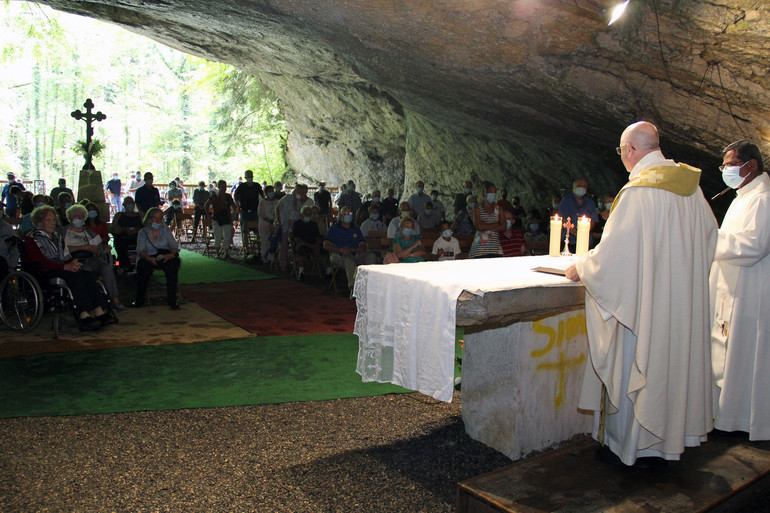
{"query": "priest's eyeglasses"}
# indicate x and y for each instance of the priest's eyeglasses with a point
(722, 168)
(619, 149)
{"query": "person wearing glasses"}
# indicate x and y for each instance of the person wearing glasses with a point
(648, 372)
(740, 284)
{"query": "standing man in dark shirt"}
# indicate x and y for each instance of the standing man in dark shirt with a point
(389, 207)
(62, 187)
(200, 197)
(323, 199)
(247, 196)
(114, 187)
(147, 196)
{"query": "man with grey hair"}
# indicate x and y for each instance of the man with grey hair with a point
(577, 204)
(648, 376)
(740, 290)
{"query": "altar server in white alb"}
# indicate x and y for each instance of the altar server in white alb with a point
(647, 310)
(740, 289)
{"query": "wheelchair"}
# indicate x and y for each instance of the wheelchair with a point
(23, 302)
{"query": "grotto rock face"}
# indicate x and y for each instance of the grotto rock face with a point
(526, 93)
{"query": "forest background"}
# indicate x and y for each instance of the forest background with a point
(167, 112)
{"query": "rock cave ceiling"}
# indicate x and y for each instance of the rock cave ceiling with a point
(526, 93)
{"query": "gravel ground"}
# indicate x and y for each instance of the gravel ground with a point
(383, 454)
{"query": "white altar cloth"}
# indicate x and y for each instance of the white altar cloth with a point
(406, 315)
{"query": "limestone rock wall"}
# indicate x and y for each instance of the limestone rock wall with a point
(526, 94)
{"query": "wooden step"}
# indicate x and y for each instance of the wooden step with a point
(720, 475)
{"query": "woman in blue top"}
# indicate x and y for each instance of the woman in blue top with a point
(156, 248)
(406, 245)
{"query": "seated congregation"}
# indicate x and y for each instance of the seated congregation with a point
(326, 234)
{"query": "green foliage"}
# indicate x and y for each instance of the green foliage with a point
(81, 148)
(167, 112)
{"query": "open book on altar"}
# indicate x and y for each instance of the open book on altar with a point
(558, 265)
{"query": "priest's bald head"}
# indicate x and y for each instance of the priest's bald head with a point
(636, 141)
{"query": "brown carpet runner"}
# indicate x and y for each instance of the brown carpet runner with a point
(276, 307)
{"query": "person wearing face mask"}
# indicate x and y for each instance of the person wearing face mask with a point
(512, 240)
(438, 205)
(577, 204)
(147, 196)
(114, 188)
(604, 214)
(463, 221)
(374, 222)
(174, 192)
(136, 183)
(346, 246)
(648, 371)
(95, 223)
(350, 198)
(363, 212)
(534, 233)
(489, 222)
(46, 253)
(407, 245)
(307, 240)
(740, 290)
(125, 228)
(200, 196)
(89, 248)
(430, 217)
(266, 212)
(394, 227)
(157, 250)
(446, 247)
(461, 198)
(418, 200)
(172, 216)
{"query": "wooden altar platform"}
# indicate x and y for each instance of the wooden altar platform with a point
(722, 475)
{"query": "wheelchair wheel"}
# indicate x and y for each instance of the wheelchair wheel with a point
(21, 301)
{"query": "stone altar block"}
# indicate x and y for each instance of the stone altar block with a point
(521, 382)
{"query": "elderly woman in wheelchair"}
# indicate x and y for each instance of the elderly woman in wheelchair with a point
(89, 248)
(48, 257)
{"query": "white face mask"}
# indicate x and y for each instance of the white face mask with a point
(731, 176)
(580, 191)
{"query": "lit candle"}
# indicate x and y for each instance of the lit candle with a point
(553, 247)
(583, 232)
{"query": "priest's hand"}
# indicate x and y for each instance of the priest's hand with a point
(572, 274)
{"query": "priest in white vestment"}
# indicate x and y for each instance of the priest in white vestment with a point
(647, 309)
(740, 290)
